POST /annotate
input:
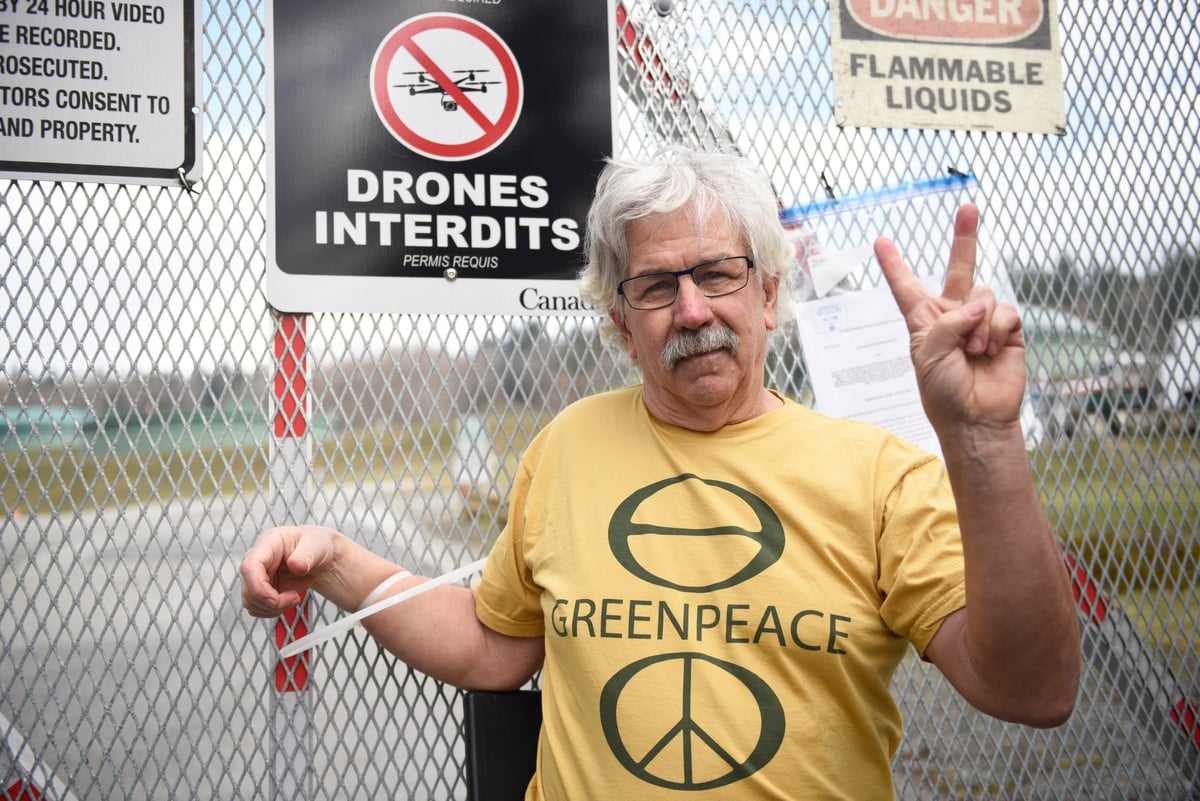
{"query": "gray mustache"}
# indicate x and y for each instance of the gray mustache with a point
(691, 343)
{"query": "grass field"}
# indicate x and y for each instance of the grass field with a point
(1128, 506)
(171, 463)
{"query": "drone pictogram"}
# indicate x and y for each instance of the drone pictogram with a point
(424, 84)
(447, 87)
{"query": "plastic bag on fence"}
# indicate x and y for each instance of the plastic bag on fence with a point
(853, 338)
(833, 237)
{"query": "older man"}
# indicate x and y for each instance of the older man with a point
(717, 582)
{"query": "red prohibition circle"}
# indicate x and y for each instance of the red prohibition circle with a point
(494, 131)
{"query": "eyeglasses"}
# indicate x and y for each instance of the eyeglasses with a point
(713, 278)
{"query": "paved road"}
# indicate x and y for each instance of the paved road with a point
(131, 672)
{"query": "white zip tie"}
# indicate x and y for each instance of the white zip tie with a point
(342, 624)
(377, 593)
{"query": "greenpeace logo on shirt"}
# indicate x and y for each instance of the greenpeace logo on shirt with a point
(692, 535)
(735, 623)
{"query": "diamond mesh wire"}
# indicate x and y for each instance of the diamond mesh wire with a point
(138, 459)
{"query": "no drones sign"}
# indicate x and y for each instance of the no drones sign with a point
(417, 97)
(434, 156)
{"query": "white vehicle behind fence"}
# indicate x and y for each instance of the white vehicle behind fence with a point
(1179, 372)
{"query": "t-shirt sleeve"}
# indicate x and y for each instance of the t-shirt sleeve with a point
(506, 598)
(920, 555)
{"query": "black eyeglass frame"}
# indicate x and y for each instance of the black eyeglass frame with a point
(690, 271)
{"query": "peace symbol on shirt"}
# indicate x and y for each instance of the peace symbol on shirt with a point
(666, 720)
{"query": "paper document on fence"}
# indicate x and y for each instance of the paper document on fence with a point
(856, 348)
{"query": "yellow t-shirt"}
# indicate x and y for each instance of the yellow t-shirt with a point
(722, 611)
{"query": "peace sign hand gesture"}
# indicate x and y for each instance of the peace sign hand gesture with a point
(967, 349)
(970, 363)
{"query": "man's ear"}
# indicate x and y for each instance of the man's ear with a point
(770, 301)
(618, 319)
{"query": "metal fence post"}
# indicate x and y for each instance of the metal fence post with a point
(291, 501)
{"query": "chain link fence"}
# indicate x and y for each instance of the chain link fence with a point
(141, 376)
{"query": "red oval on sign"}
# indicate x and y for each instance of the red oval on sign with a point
(974, 21)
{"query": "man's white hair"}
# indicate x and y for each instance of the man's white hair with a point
(706, 185)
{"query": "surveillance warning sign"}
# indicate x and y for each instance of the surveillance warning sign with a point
(992, 65)
(100, 90)
(433, 155)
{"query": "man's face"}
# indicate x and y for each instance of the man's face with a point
(712, 387)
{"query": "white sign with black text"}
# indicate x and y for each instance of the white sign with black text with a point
(99, 90)
(989, 65)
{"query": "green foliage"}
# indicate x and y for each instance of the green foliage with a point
(1127, 506)
(58, 480)
(1137, 306)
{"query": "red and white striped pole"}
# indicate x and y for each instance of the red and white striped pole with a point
(291, 471)
(1148, 689)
